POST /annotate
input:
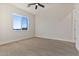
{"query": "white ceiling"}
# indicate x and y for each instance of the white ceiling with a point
(32, 8)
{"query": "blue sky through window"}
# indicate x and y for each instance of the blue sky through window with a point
(20, 22)
(16, 22)
(24, 22)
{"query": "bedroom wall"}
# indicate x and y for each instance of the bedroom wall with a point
(55, 22)
(7, 34)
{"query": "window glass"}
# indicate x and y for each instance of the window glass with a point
(24, 23)
(20, 22)
(16, 22)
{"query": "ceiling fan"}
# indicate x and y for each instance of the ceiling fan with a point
(36, 5)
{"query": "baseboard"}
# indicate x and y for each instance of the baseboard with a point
(12, 41)
(55, 38)
(23, 38)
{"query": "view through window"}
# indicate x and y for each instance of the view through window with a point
(20, 22)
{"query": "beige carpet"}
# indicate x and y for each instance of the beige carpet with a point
(39, 47)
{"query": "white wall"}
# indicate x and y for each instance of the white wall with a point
(7, 34)
(55, 22)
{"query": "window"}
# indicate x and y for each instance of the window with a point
(20, 22)
(24, 23)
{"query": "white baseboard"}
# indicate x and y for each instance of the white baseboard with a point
(55, 38)
(7, 42)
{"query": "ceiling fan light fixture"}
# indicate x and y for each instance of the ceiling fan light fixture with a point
(36, 4)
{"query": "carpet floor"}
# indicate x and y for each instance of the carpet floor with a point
(39, 47)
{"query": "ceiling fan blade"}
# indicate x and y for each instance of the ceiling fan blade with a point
(41, 5)
(31, 4)
(36, 7)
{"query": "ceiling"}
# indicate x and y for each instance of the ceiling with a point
(29, 9)
(32, 10)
